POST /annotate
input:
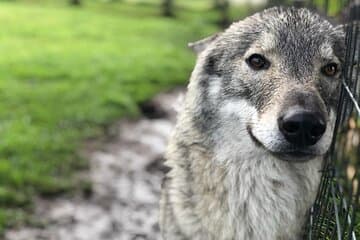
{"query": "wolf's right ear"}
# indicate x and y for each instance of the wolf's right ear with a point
(341, 27)
(200, 45)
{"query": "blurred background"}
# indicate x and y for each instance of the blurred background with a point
(83, 127)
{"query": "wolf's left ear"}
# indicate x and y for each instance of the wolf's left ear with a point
(200, 45)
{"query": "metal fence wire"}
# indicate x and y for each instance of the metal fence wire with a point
(336, 213)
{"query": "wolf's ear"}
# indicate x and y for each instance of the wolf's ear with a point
(341, 28)
(200, 45)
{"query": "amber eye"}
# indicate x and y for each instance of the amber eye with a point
(257, 62)
(330, 69)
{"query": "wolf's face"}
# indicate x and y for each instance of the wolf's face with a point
(273, 78)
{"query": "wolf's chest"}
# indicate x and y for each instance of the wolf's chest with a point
(269, 199)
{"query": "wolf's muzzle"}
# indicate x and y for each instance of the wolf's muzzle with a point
(302, 128)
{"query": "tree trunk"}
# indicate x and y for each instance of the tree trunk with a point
(272, 3)
(299, 3)
(75, 2)
(168, 8)
(216, 4)
(224, 13)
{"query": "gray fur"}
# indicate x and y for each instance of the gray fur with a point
(227, 179)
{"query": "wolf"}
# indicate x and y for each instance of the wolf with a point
(258, 117)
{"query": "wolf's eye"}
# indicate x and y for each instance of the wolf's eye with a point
(330, 69)
(257, 62)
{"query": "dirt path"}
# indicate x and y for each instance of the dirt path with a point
(126, 173)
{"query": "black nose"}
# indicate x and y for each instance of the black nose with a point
(302, 128)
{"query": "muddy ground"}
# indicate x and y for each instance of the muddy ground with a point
(126, 172)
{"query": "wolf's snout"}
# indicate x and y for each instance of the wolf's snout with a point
(302, 128)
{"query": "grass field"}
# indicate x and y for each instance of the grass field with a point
(67, 72)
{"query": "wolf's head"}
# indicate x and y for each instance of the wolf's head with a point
(272, 79)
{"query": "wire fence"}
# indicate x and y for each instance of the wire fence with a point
(335, 213)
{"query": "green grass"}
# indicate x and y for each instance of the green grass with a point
(67, 72)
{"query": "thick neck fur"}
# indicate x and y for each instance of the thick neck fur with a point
(269, 199)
